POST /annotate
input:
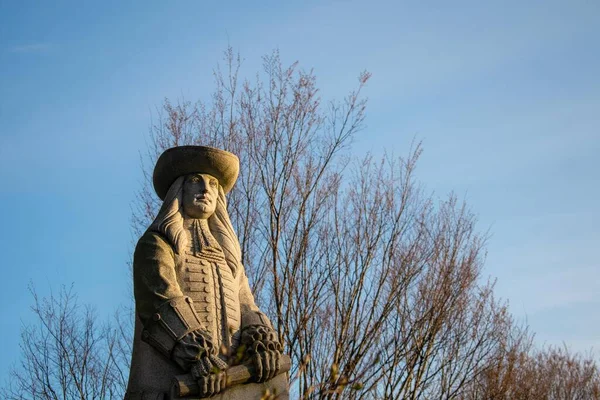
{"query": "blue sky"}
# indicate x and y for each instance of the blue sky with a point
(504, 95)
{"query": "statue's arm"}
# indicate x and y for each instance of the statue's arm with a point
(258, 336)
(251, 315)
(154, 277)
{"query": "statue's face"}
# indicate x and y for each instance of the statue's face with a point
(200, 193)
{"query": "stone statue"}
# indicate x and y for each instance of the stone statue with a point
(196, 319)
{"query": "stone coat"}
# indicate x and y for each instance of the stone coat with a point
(220, 296)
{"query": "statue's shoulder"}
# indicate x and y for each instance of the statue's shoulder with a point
(152, 241)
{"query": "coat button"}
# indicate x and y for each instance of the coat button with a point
(156, 317)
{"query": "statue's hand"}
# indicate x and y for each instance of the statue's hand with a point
(263, 347)
(193, 347)
(209, 372)
(196, 353)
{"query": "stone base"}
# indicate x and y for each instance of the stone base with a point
(277, 389)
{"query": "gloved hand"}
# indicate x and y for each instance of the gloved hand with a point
(196, 353)
(264, 349)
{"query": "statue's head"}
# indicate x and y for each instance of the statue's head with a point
(200, 195)
(193, 181)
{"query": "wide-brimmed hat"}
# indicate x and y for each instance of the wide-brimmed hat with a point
(183, 160)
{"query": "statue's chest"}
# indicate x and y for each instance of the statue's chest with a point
(209, 282)
(196, 277)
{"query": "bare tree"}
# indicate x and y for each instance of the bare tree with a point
(67, 354)
(523, 372)
(374, 286)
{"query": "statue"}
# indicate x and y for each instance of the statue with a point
(198, 330)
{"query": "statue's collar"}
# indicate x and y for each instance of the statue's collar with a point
(201, 237)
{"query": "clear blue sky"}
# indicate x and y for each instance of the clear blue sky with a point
(505, 96)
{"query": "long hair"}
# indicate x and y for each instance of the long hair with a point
(169, 223)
